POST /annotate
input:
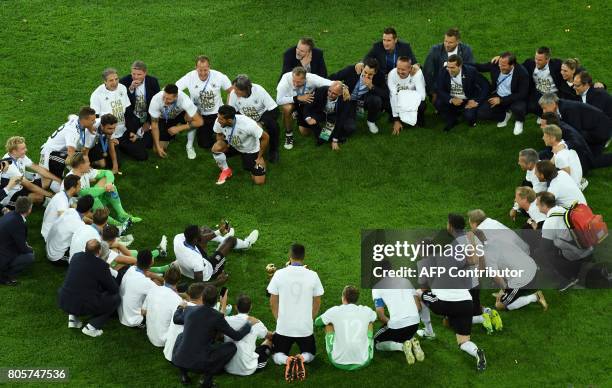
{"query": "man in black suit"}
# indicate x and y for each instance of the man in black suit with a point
(15, 253)
(544, 77)
(141, 89)
(329, 115)
(460, 89)
(592, 123)
(510, 89)
(306, 55)
(368, 90)
(195, 348)
(387, 51)
(598, 97)
(89, 289)
(438, 56)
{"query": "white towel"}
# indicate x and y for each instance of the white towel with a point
(408, 102)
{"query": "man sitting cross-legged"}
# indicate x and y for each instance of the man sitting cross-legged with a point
(349, 337)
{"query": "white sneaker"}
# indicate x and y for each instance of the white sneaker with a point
(252, 238)
(583, 184)
(191, 154)
(126, 240)
(372, 127)
(163, 244)
(503, 123)
(539, 121)
(91, 331)
(425, 334)
(518, 128)
(608, 143)
(74, 322)
(288, 142)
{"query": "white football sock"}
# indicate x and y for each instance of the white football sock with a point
(477, 319)
(308, 357)
(522, 302)
(190, 138)
(241, 244)
(470, 348)
(486, 310)
(279, 358)
(221, 160)
(426, 318)
(388, 346)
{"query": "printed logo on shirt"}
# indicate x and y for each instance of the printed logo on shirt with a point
(140, 106)
(409, 86)
(250, 111)
(236, 142)
(117, 110)
(456, 89)
(205, 100)
(544, 84)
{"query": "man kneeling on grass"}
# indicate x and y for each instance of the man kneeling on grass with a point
(349, 337)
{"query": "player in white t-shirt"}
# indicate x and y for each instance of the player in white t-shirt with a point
(447, 296)
(397, 333)
(295, 299)
(295, 89)
(111, 97)
(564, 158)
(349, 336)
(37, 186)
(104, 151)
(239, 135)
(135, 286)
(159, 306)
(86, 232)
(401, 78)
(100, 185)
(254, 101)
(172, 112)
(59, 203)
(63, 229)
(204, 85)
(560, 183)
(77, 134)
(249, 357)
(190, 250)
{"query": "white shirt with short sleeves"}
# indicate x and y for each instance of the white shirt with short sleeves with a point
(133, 290)
(183, 103)
(255, 105)
(566, 158)
(160, 304)
(399, 300)
(206, 95)
(69, 134)
(173, 331)
(285, 91)
(495, 230)
(86, 178)
(55, 208)
(566, 190)
(80, 237)
(535, 213)
(244, 362)
(351, 332)
(502, 256)
(61, 232)
(537, 186)
(17, 168)
(296, 287)
(190, 260)
(105, 101)
(243, 135)
(555, 229)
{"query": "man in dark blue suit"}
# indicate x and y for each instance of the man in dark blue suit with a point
(196, 348)
(460, 89)
(510, 89)
(15, 253)
(589, 94)
(305, 55)
(141, 89)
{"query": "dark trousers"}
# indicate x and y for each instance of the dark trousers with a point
(451, 112)
(136, 150)
(533, 106)
(101, 307)
(218, 356)
(372, 104)
(498, 113)
(270, 123)
(205, 134)
(13, 267)
(600, 159)
(342, 131)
